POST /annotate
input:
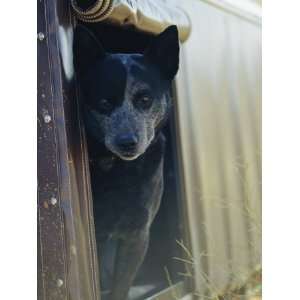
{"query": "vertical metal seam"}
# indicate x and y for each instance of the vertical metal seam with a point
(92, 247)
(39, 209)
(203, 263)
(57, 154)
(90, 205)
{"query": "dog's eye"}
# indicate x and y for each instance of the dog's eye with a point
(104, 105)
(144, 101)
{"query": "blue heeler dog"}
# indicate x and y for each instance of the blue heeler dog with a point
(125, 102)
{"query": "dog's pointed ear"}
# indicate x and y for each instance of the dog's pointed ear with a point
(86, 48)
(164, 51)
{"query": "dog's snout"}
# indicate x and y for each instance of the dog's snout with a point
(127, 141)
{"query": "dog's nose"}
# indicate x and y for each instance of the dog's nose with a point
(127, 141)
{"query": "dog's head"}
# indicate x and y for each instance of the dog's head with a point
(126, 96)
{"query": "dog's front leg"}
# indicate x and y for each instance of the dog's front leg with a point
(130, 255)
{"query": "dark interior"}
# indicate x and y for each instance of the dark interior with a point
(167, 227)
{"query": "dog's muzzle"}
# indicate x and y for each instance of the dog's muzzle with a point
(127, 146)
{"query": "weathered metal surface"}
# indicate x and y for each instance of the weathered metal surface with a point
(219, 119)
(67, 266)
(52, 270)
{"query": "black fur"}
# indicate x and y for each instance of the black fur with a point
(125, 101)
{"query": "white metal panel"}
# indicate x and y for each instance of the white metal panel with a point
(219, 112)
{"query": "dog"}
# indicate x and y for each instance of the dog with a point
(125, 103)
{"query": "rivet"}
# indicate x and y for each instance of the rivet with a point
(59, 282)
(53, 200)
(47, 118)
(43, 96)
(41, 36)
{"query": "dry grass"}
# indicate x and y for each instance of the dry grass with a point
(251, 289)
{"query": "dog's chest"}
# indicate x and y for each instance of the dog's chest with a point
(126, 194)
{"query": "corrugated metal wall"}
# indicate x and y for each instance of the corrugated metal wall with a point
(219, 113)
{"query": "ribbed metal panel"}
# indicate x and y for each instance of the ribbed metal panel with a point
(219, 115)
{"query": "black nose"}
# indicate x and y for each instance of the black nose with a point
(127, 141)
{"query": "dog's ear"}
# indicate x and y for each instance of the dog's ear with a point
(164, 51)
(86, 49)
